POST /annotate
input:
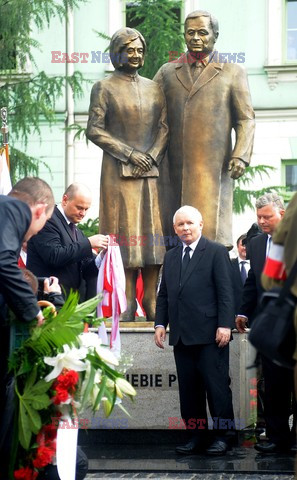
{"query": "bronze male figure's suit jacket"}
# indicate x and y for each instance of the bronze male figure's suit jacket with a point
(203, 302)
(201, 115)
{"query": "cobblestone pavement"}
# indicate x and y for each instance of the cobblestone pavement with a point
(187, 476)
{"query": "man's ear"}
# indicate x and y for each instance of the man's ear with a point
(64, 199)
(39, 210)
(216, 36)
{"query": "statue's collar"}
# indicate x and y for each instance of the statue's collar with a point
(129, 77)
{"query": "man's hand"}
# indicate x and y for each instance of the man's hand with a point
(160, 336)
(54, 287)
(141, 160)
(240, 323)
(40, 318)
(223, 336)
(99, 241)
(236, 167)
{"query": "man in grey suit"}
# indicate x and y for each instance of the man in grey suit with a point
(207, 96)
(196, 300)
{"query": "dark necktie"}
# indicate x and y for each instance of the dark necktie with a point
(243, 273)
(73, 230)
(185, 262)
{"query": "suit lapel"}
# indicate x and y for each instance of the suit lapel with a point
(183, 74)
(235, 266)
(209, 72)
(63, 222)
(196, 257)
(176, 266)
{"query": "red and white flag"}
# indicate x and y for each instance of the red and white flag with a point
(275, 266)
(5, 181)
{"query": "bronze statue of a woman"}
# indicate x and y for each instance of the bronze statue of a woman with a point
(127, 119)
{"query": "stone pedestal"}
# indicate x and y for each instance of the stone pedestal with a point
(153, 375)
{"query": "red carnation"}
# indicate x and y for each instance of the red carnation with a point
(25, 474)
(47, 434)
(44, 456)
(68, 380)
(61, 395)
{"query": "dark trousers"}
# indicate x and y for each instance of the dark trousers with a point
(203, 374)
(279, 403)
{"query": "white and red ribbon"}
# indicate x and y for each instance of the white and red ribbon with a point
(112, 283)
(275, 266)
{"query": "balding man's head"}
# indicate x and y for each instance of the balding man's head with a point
(188, 224)
(76, 201)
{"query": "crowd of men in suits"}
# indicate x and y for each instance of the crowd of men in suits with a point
(196, 298)
(199, 293)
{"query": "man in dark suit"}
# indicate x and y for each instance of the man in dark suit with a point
(240, 268)
(278, 381)
(62, 250)
(22, 214)
(195, 299)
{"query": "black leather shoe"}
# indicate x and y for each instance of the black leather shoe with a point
(190, 448)
(218, 447)
(270, 447)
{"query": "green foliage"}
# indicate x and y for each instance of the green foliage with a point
(29, 98)
(245, 198)
(22, 165)
(58, 337)
(33, 399)
(90, 227)
(158, 23)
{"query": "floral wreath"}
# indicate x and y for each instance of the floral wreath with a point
(58, 371)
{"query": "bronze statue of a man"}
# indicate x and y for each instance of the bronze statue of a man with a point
(127, 119)
(206, 99)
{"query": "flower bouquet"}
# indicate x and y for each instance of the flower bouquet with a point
(57, 372)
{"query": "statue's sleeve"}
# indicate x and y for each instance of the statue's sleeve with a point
(96, 131)
(243, 116)
(158, 148)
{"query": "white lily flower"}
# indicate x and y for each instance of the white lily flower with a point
(106, 355)
(89, 339)
(70, 359)
(92, 340)
(125, 386)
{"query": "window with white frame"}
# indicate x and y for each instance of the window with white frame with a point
(281, 64)
(291, 31)
(289, 176)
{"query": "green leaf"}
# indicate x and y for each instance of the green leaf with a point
(41, 387)
(101, 392)
(89, 386)
(33, 418)
(40, 402)
(31, 379)
(25, 432)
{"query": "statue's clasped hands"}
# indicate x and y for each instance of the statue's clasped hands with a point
(142, 163)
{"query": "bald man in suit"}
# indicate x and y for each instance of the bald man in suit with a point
(196, 300)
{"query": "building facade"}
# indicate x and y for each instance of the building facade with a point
(262, 32)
